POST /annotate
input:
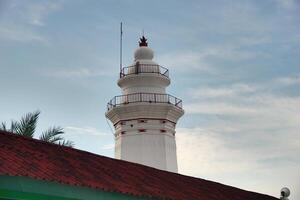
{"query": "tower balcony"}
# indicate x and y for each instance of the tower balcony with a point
(152, 98)
(144, 69)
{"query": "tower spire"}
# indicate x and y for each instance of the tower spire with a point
(143, 42)
(121, 36)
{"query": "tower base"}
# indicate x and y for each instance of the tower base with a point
(151, 149)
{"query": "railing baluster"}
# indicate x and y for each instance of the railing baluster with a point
(144, 68)
(144, 97)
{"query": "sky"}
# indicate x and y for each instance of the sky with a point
(235, 65)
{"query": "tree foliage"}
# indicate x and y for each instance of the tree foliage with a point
(27, 126)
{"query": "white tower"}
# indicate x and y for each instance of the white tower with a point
(144, 116)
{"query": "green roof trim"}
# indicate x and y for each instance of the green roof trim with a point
(9, 194)
(25, 188)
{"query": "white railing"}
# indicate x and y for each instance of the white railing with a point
(144, 68)
(144, 97)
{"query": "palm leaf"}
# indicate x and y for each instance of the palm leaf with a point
(67, 143)
(27, 124)
(12, 129)
(52, 135)
(13, 126)
(26, 127)
(3, 126)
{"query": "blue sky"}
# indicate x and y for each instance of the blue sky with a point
(235, 64)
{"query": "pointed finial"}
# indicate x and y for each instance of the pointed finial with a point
(143, 42)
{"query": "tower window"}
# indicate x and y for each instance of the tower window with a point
(162, 130)
(142, 121)
(142, 130)
(123, 132)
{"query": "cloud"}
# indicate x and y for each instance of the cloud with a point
(211, 92)
(78, 72)
(255, 133)
(214, 156)
(84, 131)
(288, 81)
(235, 158)
(108, 146)
(244, 98)
(219, 109)
(204, 59)
(223, 100)
(28, 17)
(33, 12)
(185, 61)
(287, 4)
(21, 34)
(254, 40)
(262, 111)
(38, 11)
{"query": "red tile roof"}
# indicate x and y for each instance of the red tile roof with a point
(21, 156)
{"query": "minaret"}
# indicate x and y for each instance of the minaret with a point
(145, 116)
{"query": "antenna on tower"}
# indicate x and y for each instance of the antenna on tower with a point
(121, 35)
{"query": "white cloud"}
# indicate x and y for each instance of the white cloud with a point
(17, 27)
(257, 136)
(287, 4)
(224, 100)
(85, 131)
(240, 98)
(78, 72)
(235, 159)
(203, 60)
(231, 52)
(185, 61)
(262, 109)
(21, 34)
(38, 11)
(219, 109)
(253, 40)
(204, 153)
(210, 92)
(108, 146)
(287, 81)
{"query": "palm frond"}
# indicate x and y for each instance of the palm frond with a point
(26, 127)
(52, 135)
(67, 143)
(13, 126)
(3, 126)
(27, 124)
